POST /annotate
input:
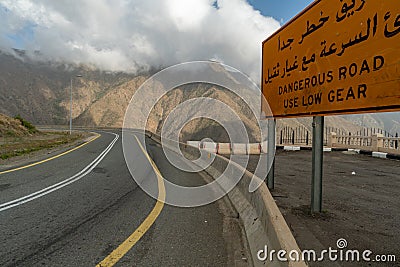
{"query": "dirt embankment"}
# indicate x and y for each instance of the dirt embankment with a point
(11, 127)
(19, 139)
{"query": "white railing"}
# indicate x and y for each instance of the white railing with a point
(391, 143)
(376, 142)
(354, 141)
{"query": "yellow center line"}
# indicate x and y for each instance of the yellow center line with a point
(46, 160)
(122, 249)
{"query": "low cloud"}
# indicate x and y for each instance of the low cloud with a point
(126, 35)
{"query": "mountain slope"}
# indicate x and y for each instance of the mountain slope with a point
(40, 92)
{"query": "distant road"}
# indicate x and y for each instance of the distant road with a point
(77, 209)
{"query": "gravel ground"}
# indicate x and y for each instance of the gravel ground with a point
(361, 203)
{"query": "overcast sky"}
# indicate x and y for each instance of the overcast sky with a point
(122, 35)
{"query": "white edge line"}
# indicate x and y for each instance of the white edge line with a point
(68, 181)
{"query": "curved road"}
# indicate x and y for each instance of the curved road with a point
(77, 209)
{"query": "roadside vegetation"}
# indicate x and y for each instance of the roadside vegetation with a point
(19, 137)
(12, 147)
(31, 129)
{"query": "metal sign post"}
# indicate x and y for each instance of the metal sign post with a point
(332, 58)
(271, 154)
(317, 162)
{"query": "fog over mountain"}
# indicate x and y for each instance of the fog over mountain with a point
(116, 45)
(132, 34)
(39, 92)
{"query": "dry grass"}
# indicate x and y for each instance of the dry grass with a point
(21, 145)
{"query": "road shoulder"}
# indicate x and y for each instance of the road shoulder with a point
(42, 154)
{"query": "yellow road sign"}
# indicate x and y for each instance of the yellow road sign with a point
(337, 56)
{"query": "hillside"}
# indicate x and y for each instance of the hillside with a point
(10, 127)
(19, 139)
(39, 91)
(388, 121)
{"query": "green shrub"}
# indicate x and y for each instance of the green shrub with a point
(10, 133)
(31, 128)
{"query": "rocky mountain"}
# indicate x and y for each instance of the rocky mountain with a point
(40, 92)
(389, 121)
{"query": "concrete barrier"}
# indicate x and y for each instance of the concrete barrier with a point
(228, 148)
(253, 149)
(194, 143)
(209, 147)
(263, 222)
(264, 147)
(291, 148)
(379, 155)
(224, 148)
(239, 149)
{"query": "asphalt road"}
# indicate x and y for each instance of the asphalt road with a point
(77, 209)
